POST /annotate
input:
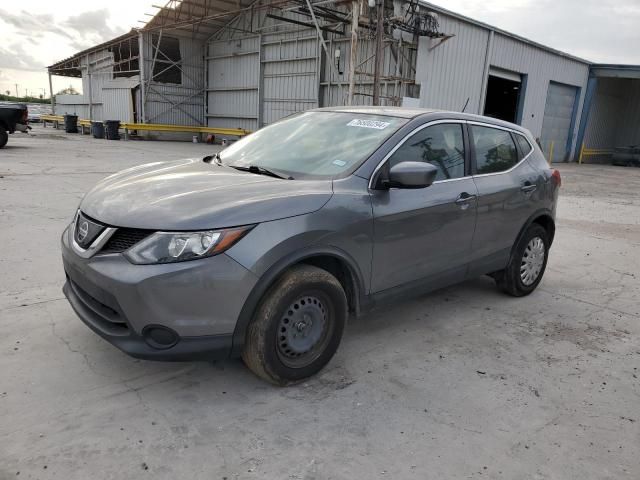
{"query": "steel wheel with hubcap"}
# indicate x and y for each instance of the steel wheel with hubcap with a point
(527, 264)
(297, 327)
(532, 261)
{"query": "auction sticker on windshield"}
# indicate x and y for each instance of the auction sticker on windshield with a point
(368, 124)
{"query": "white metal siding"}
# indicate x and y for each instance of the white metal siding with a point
(289, 76)
(118, 104)
(233, 83)
(541, 67)
(452, 71)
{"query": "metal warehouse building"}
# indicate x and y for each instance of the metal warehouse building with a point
(245, 64)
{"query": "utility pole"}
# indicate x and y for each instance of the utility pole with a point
(379, 52)
(17, 95)
(355, 17)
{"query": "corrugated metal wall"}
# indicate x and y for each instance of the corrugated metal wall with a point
(629, 131)
(170, 103)
(606, 113)
(256, 80)
(289, 74)
(614, 119)
(451, 72)
(233, 72)
(118, 99)
(541, 67)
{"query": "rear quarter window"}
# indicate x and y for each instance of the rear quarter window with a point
(494, 149)
(523, 143)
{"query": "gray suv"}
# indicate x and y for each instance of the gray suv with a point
(264, 250)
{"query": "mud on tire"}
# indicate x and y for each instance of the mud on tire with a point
(297, 326)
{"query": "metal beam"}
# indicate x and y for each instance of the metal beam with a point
(143, 95)
(355, 15)
(379, 52)
(304, 24)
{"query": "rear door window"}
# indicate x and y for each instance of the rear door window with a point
(495, 150)
(441, 145)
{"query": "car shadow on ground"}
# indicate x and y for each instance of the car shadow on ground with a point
(210, 378)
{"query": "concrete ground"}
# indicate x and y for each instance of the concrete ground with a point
(462, 383)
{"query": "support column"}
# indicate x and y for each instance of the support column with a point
(141, 67)
(355, 16)
(90, 89)
(53, 101)
(379, 52)
(485, 73)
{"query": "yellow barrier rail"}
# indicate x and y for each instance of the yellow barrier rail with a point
(590, 152)
(157, 127)
(153, 127)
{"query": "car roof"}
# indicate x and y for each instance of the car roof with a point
(431, 114)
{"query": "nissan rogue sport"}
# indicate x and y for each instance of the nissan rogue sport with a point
(265, 249)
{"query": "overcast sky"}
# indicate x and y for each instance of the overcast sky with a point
(36, 33)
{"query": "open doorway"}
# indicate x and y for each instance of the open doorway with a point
(503, 96)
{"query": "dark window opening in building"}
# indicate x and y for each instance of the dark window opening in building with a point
(125, 58)
(502, 99)
(168, 60)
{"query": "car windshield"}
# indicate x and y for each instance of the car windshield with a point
(312, 144)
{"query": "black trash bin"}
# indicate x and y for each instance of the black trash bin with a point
(97, 129)
(111, 128)
(71, 123)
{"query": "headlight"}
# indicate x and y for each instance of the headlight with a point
(169, 247)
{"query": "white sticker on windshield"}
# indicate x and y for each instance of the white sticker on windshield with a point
(340, 163)
(368, 124)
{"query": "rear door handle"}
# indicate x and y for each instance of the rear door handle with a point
(464, 198)
(528, 187)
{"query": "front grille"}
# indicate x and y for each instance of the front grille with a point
(125, 238)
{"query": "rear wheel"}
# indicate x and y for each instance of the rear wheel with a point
(4, 137)
(527, 264)
(297, 327)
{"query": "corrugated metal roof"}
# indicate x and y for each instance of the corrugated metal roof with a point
(63, 64)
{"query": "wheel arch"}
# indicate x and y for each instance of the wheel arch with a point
(335, 261)
(542, 217)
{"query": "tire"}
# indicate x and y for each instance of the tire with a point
(519, 278)
(297, 326)
(4, 137)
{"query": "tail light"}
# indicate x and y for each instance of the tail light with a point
(555, 177)
(25, 115)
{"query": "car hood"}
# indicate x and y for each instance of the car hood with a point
(192, 195)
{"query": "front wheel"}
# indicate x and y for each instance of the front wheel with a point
(527, 264)
(297, 327)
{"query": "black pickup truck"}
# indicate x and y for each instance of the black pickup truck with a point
(13, 117)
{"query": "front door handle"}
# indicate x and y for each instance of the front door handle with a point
(464, 198)
(528, 187)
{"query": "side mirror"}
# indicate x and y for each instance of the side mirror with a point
(411, 175)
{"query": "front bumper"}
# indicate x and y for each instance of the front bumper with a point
(193, 305)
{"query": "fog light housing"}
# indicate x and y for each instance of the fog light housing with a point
(160, 337)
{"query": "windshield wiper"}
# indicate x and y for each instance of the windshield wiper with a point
(260, 171)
